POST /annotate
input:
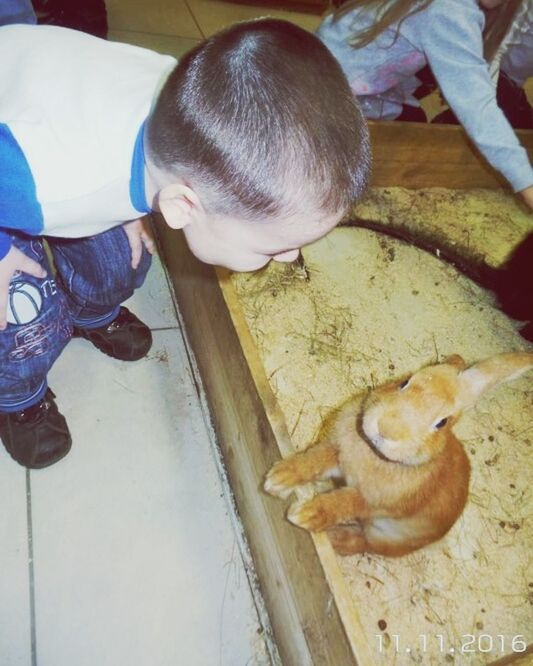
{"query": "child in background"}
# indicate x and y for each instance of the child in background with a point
(253, 144)
(382, 44)
(508, 38)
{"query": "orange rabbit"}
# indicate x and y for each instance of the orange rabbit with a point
(403, 475)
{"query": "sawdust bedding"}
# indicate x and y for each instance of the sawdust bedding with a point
(363, 308)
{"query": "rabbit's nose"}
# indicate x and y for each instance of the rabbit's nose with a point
(393, 427)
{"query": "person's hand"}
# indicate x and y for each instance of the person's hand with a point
(138, 235)
(14, 261)
(527, 196)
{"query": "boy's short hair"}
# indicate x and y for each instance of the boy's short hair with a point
(260, 119)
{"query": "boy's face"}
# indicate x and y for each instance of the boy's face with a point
(236, 243)
(244, 245)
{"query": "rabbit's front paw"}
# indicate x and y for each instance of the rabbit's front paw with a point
(312, 515)
(282, 479)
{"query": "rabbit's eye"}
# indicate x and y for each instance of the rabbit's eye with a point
(403, 384)
(441, 423)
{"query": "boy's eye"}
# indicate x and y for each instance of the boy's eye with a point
(441, 423)
(403, 384)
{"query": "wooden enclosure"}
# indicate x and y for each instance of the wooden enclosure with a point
(313, 619)
(422, 155)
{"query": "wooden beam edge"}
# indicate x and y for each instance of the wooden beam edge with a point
(420, 155)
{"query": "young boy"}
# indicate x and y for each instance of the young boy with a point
(253, 145)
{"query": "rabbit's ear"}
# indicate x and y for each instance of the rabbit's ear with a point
(478, 378)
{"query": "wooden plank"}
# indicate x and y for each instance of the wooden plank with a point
(416, 155)
(306, 624)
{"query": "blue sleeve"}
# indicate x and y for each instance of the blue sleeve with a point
(19, 207)
(451, 36)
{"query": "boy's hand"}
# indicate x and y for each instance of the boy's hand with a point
(138, 235)
(527, 196)
(14, 261)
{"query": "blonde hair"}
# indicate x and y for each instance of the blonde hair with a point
(388, 13)
(498, 20)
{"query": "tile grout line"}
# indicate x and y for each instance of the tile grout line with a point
(161, 34)
(187, 4)
(31, 571)
(164, 328)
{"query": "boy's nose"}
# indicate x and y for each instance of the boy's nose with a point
(287, 257)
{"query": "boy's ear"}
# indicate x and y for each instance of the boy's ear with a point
(179, 205)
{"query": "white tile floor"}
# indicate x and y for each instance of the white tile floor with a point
(124, 552)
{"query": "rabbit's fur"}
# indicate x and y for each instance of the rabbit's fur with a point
(403, 474)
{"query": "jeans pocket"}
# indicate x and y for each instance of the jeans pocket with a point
(39, 328)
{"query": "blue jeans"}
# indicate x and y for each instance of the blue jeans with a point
(16, 11)
(94, 275)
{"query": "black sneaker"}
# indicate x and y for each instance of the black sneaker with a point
(125, 338)
(37, 436)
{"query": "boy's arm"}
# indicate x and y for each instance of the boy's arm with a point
(14, 261)
(451, 35)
